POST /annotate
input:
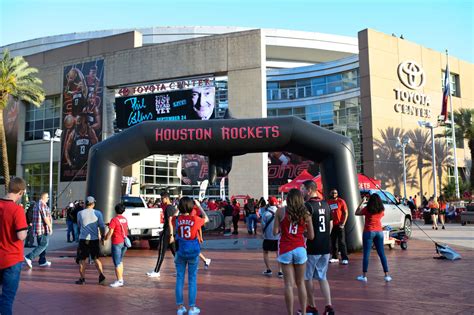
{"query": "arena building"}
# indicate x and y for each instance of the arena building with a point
(371, 88)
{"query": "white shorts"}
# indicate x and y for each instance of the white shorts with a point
(317, 267)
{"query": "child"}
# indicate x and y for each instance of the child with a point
(186, 228)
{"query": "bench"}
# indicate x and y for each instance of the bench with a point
(468, 215)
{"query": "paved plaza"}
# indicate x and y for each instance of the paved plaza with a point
(234, 284)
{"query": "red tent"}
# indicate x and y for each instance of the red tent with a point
(296, 183)
(365, 182)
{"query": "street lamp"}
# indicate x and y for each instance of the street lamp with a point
(51, 140)
(402, 144)
(431, 126)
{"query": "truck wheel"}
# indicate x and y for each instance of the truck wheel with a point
(153, 244)
(390, 246)
(404, 245)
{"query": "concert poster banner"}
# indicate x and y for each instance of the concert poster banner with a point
(83, 91)
(197, 103)
(283, 166)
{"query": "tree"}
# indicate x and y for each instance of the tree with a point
(421, 148)
(463, 121)
(18, 81)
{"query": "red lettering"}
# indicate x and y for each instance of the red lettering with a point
(207, 134)
(259, 132)
(158, 134)
(242, 134)
(139, 89)
(234, 133)
(225, 133)
(275, 131)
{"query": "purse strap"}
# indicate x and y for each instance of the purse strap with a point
(123, 232)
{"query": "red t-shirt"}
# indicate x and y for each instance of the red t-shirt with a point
(196, 211)
(188, 226)
(212, 206)
(373, 222)
(291, 235)
(236, 210)
(12, 220)
(338, 208)
(118, 237)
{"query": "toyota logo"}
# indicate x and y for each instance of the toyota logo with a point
(411, 75)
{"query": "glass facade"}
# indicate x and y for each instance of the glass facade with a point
(311, 87)
(37, 177)
(43, 118)
(158, 172)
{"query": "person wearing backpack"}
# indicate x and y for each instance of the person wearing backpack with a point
(270, 241)
(185, 230)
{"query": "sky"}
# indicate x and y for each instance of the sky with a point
(436, 24)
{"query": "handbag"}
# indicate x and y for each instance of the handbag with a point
(126, 240)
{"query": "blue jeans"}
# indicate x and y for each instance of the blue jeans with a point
(70, 231)
(75, 227)
(40, 250)
(377, 239)
(252, 222)
(181, 263)
(118, 251)
(9, 280)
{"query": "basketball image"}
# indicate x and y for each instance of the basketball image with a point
(69, 121)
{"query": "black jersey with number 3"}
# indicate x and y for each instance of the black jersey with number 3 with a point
(321, 216)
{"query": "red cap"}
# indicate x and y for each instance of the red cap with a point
(272, 201)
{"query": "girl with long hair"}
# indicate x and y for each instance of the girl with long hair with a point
(373, 234)
(442, 210)
(292, 222)
(434, 211)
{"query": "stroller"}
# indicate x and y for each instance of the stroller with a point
(395, 238)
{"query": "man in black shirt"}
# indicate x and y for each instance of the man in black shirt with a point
(318, 248)
(165, 238)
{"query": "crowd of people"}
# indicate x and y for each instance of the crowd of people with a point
(305, 232)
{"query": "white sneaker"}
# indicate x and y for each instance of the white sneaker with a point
(181, 310)
(333, 260)
(345, 262)
(207, 263)
(194, 310)
(46, 264)
(117, 283)
(362, 278)
(153, 274)
(28, 262)
(387, 278)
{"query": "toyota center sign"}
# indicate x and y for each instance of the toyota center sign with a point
(412, 102)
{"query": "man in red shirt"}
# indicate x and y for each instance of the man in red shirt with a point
(13, 231)
(338, 236)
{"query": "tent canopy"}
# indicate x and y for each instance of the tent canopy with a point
(296, 183)
(365, 182)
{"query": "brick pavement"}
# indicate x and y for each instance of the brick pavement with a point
(234, 285)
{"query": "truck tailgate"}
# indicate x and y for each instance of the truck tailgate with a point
(143, 218)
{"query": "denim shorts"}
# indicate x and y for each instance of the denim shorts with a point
(118, 251)
(297, 256)
(317, 267)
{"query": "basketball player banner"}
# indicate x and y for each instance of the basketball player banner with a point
(83, 89)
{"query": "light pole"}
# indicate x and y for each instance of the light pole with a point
(402, 144)
(51, 140)
(431, 126)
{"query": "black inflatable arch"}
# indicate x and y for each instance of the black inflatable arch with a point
(226, 137)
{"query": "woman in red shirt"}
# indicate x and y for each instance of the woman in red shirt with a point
(292, 222)
(434, 211)
(442, 210)
(118, 229)
(373, 233)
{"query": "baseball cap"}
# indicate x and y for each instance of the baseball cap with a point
(272, 201)
(71, 205)
(90, 200)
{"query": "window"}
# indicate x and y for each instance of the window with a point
(37, 178)
(453, 82)
(43, 118)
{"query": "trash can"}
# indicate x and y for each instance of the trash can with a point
(427, 216)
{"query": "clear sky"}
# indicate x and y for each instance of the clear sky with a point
(437, 24)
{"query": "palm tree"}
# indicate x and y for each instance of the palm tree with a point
(421, 148)
(443, 160)
(463, 121)
(17, 81)
(389, 159)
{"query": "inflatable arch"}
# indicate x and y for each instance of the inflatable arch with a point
(222, 139)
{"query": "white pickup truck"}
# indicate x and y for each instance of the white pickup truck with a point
(143, 223)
